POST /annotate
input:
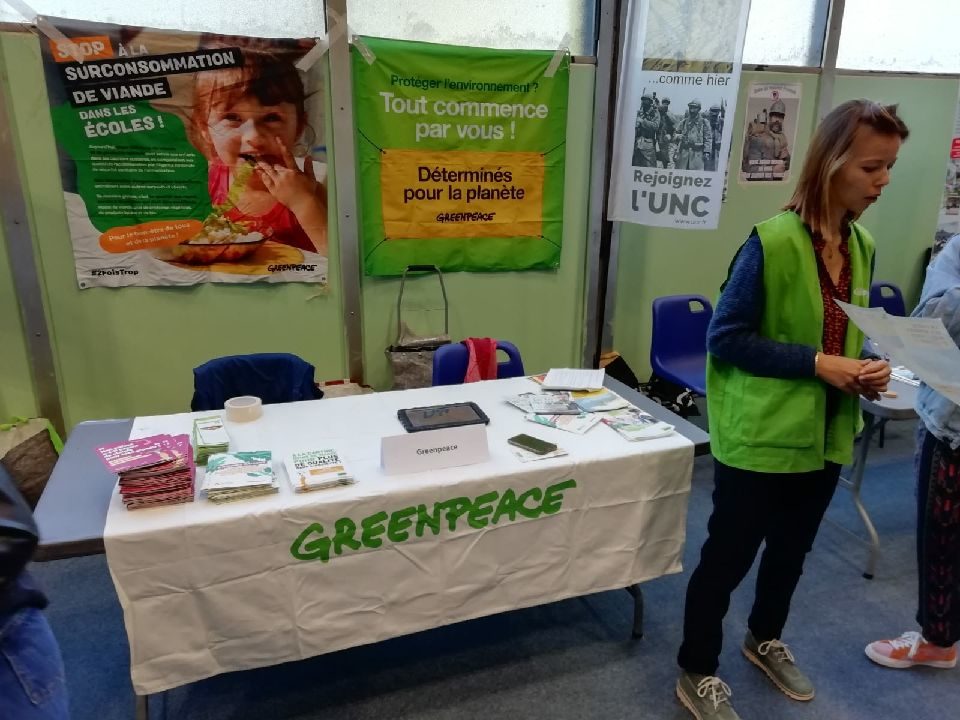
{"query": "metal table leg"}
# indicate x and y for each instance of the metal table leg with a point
(637, 594)
(143, 707)
(855, 483)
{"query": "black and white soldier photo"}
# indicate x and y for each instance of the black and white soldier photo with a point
(647, 127)
(695, 139)
(770, 130)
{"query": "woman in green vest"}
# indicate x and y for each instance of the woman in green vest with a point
(783, 379)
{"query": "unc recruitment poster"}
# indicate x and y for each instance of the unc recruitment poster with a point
(188, 157)
(770, 131)
(461, 155)
(680, 72)
(948, 222)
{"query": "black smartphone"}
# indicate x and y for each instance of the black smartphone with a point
(534, 445)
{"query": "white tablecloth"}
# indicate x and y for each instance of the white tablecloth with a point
(207, 588)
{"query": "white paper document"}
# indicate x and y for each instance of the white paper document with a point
(577, 424)
(546, 403)
(574, 379)
(634, 424)
(921, 344)
(527, 456)
(599, 401)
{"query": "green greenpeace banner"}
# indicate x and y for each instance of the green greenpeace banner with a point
(461, 156)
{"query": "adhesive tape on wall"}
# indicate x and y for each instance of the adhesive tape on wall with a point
(244, 408)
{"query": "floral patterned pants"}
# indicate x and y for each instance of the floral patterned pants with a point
(938, 539)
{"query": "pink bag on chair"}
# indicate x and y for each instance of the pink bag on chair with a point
(482, 360)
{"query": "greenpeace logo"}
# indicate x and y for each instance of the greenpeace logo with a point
(347, 534)
(298, 268)
(434, 450)
(465, 217)
(99, 272)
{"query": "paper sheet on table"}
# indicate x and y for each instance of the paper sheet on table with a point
(922, 344)
(574, 379)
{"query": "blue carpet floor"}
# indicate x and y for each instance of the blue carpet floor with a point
(572, 659)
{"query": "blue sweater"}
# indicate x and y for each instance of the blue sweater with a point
(734, 332)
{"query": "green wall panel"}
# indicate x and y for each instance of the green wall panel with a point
(16, 386)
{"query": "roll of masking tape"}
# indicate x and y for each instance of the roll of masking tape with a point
(243, 409)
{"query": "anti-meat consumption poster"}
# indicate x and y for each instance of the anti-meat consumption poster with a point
(188, 157)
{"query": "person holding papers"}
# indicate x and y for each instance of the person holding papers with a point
(783, 380)
(938, 496)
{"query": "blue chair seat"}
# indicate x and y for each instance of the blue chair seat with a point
(450, 363)
(678, 347)
(690, 372)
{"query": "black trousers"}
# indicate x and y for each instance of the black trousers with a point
(783, 509)
(938, 539)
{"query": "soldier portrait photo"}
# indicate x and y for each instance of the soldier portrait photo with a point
(682, 138)
(716, 117)
(648, 125)
(695, 141)
(771, 128)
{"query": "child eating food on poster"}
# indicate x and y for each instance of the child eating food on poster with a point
(246, 121)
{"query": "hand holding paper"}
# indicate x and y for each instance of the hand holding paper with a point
(841, 372)
(921, 344)
(874, 377)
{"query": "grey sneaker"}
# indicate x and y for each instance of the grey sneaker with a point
(776, 660)
(706, 696)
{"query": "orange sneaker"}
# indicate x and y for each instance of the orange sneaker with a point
(911, 649)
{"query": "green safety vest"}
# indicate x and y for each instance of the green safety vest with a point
(779, 425)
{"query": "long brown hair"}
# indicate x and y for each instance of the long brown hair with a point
(830, 149)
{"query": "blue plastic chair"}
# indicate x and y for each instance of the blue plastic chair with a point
(272, 377)
(678, 348)
(450, 363)
(888, 296)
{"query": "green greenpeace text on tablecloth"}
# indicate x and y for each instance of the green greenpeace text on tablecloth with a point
(315, 543)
